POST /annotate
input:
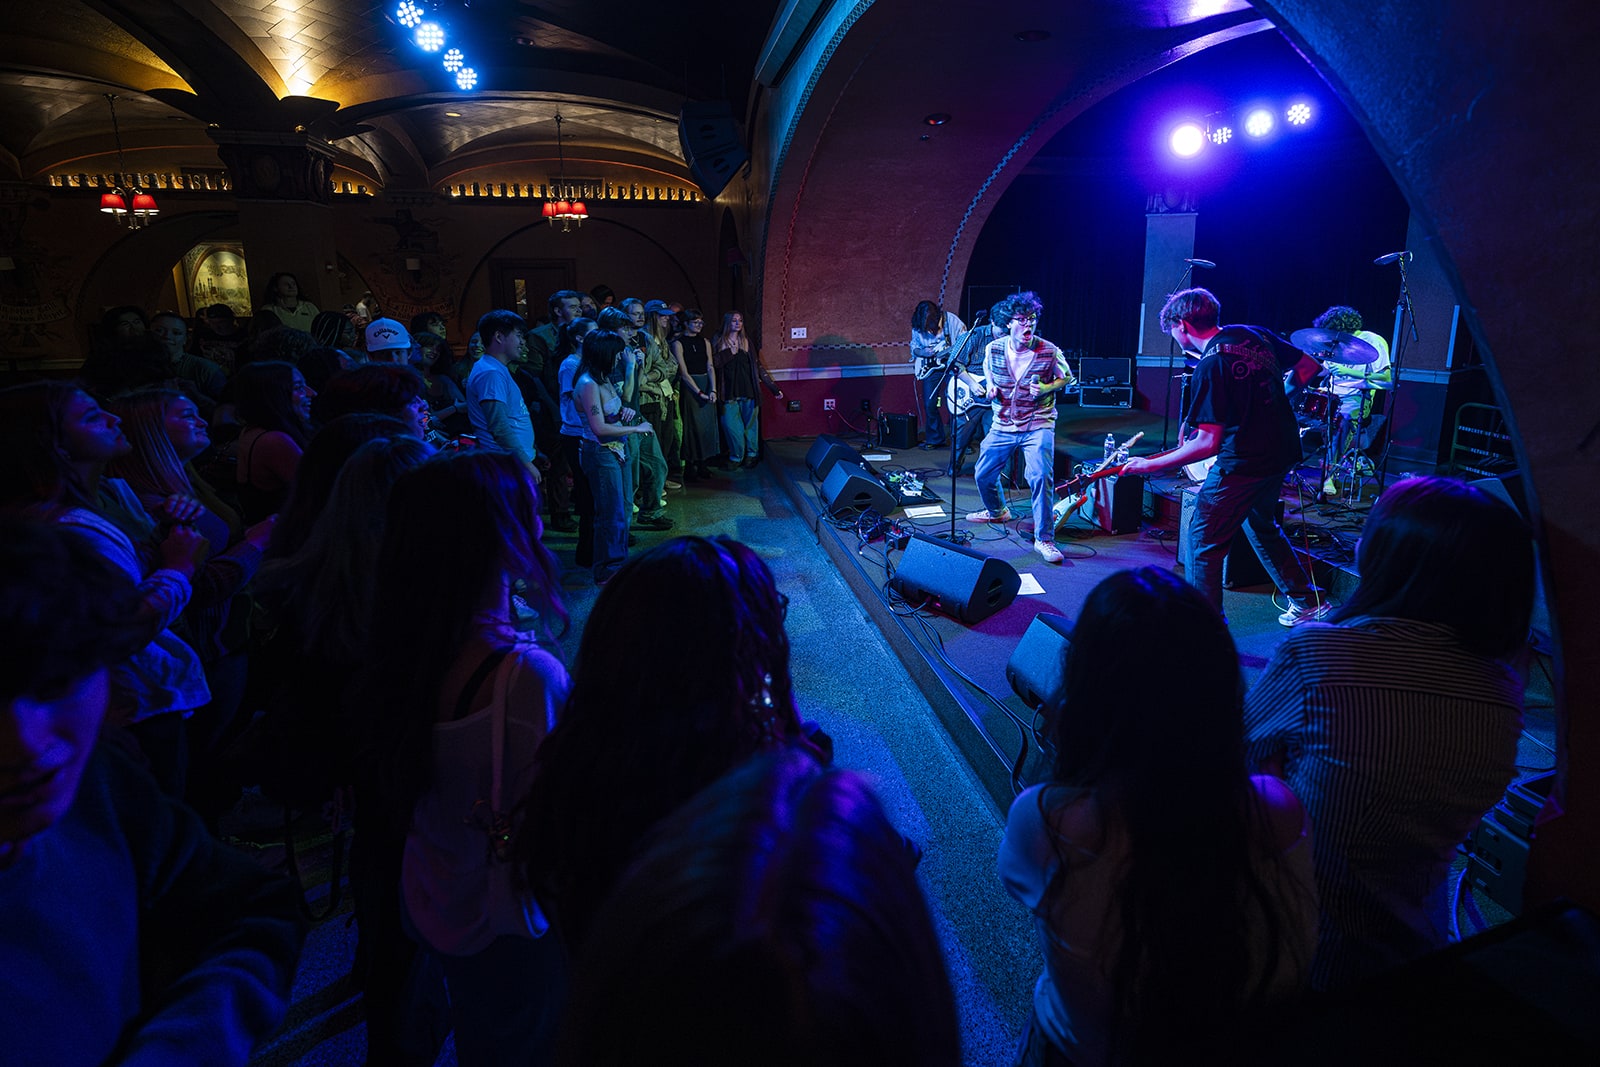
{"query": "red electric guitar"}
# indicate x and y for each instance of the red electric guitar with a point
(1074, 493)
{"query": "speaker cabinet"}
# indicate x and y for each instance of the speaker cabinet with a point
(1106, 396)
(1036, 668)
(1116, 371)
(898, 430)
(710, 141)
(827, 451)
(850, 485)
(1119, 504)
(953, 579)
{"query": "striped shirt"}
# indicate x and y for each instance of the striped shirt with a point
(1397, 741)
(1014, 410)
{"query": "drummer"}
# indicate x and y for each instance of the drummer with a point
(1354, 384)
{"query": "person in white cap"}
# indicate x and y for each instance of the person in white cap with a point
(387, 341)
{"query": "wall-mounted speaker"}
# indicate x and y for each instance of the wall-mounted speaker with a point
(850, 485)
(954, 579)
(827, 451)
(709, 137)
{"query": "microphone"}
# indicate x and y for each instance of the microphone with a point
(1384, 261)
(1206, 263)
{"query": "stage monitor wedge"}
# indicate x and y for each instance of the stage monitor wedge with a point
(1037, 668)
(709, 137)
(829, 450)
(954, 579)
(850, 485)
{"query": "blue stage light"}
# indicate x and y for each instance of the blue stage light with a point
(1298, 114)
(1187, 140)
(430, 36)
(454, 60)
(1259, 123)
(466, 79)
(408, 14)
(1222, 135)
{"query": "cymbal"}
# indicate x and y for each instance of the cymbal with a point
(1334, 346)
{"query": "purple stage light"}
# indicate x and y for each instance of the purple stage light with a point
(1187, 140)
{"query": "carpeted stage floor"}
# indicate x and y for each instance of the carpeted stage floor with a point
(888, 685)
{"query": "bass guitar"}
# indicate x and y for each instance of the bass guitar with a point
(1074, 495)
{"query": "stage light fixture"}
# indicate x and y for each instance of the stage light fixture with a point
(1259, 122)
(430, 36)
(408, 14)
(1222, 135)
(1298, 114)
(1187, 140)
(454, 60)
(466, 79)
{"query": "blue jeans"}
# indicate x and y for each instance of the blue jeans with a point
(1039, 463)
(1226, 503)
(652, 481)
(609, 484)
(741, 427)
(934, 433)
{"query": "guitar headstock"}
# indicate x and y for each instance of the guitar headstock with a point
(1121, 453)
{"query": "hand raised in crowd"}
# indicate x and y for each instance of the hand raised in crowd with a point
(183, 549)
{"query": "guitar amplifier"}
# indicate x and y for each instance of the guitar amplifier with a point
(1119, 504)
(897, 431)
(1106, 396)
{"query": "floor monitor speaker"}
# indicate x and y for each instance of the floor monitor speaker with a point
(956, 580)
(850, 485)
(827, 451)
(1037, 667)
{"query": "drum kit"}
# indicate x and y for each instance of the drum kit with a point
(1345, 356)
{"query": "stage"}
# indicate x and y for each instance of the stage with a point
(961, 668)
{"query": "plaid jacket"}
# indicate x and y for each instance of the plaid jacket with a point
(1014, 410)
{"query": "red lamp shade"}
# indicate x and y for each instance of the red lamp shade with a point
(113, 204)
(145, 204)
(579, 209)
(563, 208)
(549, 209)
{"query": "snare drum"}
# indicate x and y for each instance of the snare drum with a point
(1314, 404)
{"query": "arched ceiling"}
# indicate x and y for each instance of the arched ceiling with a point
(345, 71)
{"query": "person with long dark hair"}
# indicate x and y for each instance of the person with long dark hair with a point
(603, 451)
(274, 404)
(690, 704)
(697, 377)
(1398, 724)
(280, 300)
(934, 333)
(455, 712)
(1171, 890)
(774, 918)
(57, 442)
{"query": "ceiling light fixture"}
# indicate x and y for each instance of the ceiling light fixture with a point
(116, 203)
(557, 206)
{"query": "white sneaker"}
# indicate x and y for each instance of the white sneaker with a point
(1048, 550)
(985, 515)
(1309, 613)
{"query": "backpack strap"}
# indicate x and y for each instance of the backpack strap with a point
(475, 683)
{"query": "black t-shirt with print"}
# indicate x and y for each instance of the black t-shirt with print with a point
(1239, 386)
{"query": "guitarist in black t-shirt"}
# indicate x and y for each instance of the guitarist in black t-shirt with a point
(1238, 413)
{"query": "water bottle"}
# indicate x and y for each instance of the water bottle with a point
(1111, 445)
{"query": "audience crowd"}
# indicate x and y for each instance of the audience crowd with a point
(306, 558)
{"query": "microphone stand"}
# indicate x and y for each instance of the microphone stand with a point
(1172, 355)
(959, 354)
(1408, 317)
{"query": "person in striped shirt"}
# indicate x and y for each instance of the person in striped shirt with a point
(1396, 725)
(1024, 372)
